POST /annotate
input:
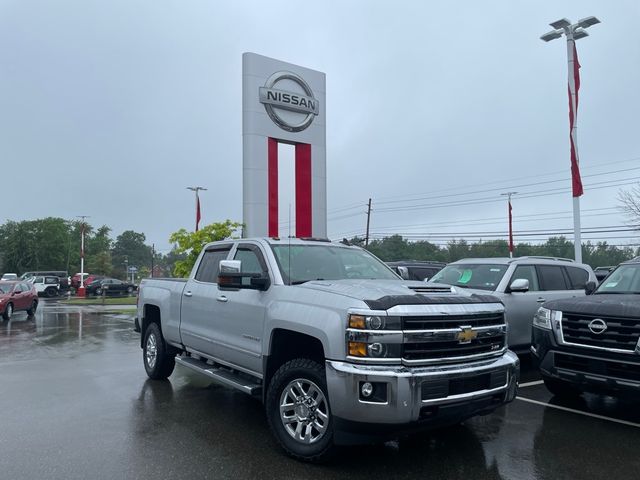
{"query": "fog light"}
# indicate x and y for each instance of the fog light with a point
(376, 350)
(366, 389)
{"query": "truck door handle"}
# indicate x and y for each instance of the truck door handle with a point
(540, 300)
(188, 294)
(221, 298)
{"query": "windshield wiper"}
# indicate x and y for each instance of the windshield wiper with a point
(300, 282)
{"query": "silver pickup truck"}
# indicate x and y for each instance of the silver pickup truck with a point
(336, 345)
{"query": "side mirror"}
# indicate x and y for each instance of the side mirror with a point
(519, 285)
(590, 287)
(404, 272)
(230, 266)
(230, 277)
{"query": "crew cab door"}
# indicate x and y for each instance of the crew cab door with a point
(199, 316)
(241, 313)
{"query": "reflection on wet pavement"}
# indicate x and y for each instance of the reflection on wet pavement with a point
(75, 403)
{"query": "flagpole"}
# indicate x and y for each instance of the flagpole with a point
(573, 32)
(196, 190)
(508, 195)
(577, 237)
(81, 289)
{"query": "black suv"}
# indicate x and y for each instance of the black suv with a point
(416, 270)
(592, 343)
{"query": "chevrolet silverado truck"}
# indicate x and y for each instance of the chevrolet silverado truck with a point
(592, 343)
(337, 346)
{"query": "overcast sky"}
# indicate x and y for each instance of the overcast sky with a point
(110, 109)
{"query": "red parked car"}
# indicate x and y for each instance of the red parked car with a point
(16, 296)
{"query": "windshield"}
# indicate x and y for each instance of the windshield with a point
(625, 279)
(5, 289)
(301, 263)
(480, 276)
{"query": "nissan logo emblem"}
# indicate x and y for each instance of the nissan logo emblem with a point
(276, 98)
(597, 326)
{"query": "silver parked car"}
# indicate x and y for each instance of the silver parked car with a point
(522, 284)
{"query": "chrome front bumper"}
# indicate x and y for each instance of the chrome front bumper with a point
(404, 400)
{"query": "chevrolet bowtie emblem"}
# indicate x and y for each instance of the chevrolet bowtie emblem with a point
(466, 335)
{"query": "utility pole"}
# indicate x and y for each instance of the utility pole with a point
(81, 290)
(366, 240)
(197, 189)
(508, 195)
(573, 32)
(153, 255)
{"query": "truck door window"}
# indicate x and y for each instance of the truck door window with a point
(526, 272)
(208, 269)
(251, 259)
(552, 277)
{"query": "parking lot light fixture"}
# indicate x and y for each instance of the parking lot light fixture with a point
(573, 32)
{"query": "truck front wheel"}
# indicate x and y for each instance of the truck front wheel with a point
(157, 362)
(298, 410)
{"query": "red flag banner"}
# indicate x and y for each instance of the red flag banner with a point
(197, 211)
(576, 181)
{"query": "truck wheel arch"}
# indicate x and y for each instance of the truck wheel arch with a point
(285, 345)
(151, 314)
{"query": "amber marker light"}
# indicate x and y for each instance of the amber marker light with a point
(357, 349)
(357, 321)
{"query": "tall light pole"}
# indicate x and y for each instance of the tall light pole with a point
(81, 291)
(508, 195)
(197, 189)
(573, 32)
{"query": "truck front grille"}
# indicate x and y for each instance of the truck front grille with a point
(621, 333)
(444, 338)
(595, 366)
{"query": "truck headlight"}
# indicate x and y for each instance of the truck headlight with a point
(374, 322)
(544, 317)
(374, 350)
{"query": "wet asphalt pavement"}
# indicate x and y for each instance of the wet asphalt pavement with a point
(75, 403)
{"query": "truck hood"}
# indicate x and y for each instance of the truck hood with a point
(384, 294)
(607, 305)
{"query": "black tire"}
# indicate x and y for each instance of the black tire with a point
(8, 312)
(129, 290)
(312, 372)
(32, 311)
(157, 362)
(560, 388)
(50, 292)
(98, 291)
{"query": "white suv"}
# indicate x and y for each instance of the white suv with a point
(47, 286)
(523, 284)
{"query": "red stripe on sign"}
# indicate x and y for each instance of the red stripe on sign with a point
(272, 148)
(303, 190)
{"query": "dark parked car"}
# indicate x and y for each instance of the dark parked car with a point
(16, 296)
(110, 286)
(592, 343)
(603, 272)
(416, 270)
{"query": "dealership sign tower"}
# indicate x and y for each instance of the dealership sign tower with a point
(283, 103)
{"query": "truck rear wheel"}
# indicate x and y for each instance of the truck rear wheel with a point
(298, 410)
(157, 362)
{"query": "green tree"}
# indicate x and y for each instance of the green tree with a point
(190, 244)
(130, 249)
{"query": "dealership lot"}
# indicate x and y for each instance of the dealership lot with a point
(75, 403)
